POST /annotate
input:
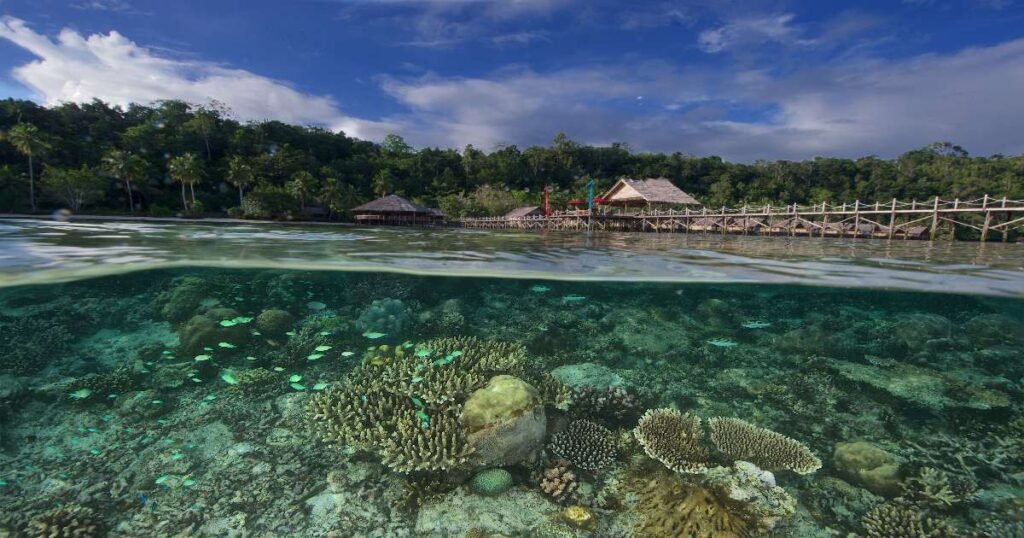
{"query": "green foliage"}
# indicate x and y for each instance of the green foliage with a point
(74, 187)
(270, 202)
(186, 143)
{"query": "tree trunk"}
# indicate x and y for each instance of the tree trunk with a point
(131, 202)
(184, 201)
(192, 189)
(31, 184)
(206, 139)
(240, 200)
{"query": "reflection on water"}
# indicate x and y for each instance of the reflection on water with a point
(42, 251)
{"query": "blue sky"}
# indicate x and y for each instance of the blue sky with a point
(741, 79)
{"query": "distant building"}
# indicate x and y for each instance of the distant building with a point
(646, 193)
(523, 212)
(394, 210)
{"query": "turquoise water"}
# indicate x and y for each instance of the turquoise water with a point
(195, 380)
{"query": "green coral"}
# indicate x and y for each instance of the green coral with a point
(491, 482)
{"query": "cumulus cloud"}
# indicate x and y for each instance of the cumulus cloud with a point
(851, 109)
(110, 67)
(752, 31)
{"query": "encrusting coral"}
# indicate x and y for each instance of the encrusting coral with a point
(673, 438)
(585, 444)
(404, 402)
(740, 440)
(893, 520)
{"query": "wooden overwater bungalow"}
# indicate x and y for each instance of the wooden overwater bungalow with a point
(393, 210)
(646, 194)
(525, 212)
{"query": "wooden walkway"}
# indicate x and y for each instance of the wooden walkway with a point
(990, 218)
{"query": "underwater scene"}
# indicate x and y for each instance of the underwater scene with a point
(269, 402)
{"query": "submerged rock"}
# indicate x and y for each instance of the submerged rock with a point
(921, 386)
(505, 422)
(868, 466)
(587, 374)
(516, 513)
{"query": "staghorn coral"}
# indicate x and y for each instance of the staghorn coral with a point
(936, 488)
(552, 391)
(585, 444)
(740, 440)
(612, 406)
(69, 521)
(30, 343)
(558, 481)
(673, 438)
(891, 520)
(404, 402)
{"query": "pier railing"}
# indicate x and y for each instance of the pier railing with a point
(984, 217)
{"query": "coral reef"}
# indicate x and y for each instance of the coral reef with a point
(868, 466)
(612, 406)
(30, 343)
(491, 481)
(893, 520)
(672, 507)
(764, 503)
(206, 331)
(585, 445)
(938, 489)
(673, 438)
(559, 482)
(254, 383)
(388, 316)
(740, 440)
(183, 297)
(103, 385)
(275, 322)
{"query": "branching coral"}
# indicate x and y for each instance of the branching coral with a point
(936, 488)
(740, 440)
(585, 444)
(892, 520)
(69, 521)
(558, 481)
(404, 401)
(612, 406)
(673, 438)
(672, 507)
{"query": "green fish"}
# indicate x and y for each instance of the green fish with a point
(374, 335)
(417, 402)
(80, 394)
(227, 345)
(228, 378)
(201, 358)
(423, 353)
(297, 386)
(315, 356)
(540, 289)
(295, 378)
(322, 348)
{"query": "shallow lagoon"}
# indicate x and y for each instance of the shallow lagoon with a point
(163, 381)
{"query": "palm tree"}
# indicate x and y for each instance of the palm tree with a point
(337, 197)
(27, 139)
(124, 167)
(302, 185)
(240, 174)
(383, 182)
(185, 169)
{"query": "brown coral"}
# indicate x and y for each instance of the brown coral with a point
(587, 445)
(672, 507)
(558, 481)
(740, 440)
(673, 438)
(612, 406)
(897, 521)
(69, 521)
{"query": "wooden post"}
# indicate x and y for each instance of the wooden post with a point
(952, 221)
(1006, 229)
(824, 219)
(892, 218)
(771, 219)
(988, 219)
(686, 221)
(724, 226)
(935, 220)
(705, 220)
(746, 220)
(856, 218)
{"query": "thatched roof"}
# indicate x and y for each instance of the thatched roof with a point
(521, 212)
(393, 203)
(648, 191)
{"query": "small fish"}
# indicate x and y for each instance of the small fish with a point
(201, 358)
(540, 289)
(347, 353)
(291, 333)
(407, 345)
(424, 419)
(316, 306)
(754, 324)
(227, 345)
(322, 348)
(374, 335)
(573, 298)
(325, 333)
(297, 386)
(177, 456)
(228, 323)
(295, 378)
(162, 479)
(278, 369)
(196, 380)
(417, 402)
(315, 356)
(228, 378)
(250, 358)
(416, 379)
(80, 394)
(211, 397)
(188, 482)
(320, 386)
(723, 342)
(423, 353)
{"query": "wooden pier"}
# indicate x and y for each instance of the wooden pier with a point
(986, 217)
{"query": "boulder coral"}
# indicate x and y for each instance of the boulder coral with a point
(275, 322)
(205, 330)
(868, 466)
(505, 421)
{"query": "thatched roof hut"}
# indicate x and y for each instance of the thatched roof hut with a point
(523, 212)
(647, 192)
(395, 210)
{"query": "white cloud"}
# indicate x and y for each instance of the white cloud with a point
(752, 31)
(852, 109)
(110, 67)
